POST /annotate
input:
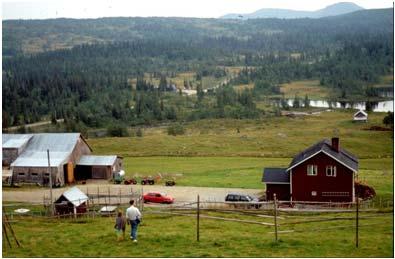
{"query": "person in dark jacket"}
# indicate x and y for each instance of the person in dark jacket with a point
(120, 226)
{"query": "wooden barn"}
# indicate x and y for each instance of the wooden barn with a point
(98, 167)
(25, 156)
(360, 116)
(31, 164)
(323, 172)
(72, 201)
(13, 145)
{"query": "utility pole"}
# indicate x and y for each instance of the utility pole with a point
(50, 183)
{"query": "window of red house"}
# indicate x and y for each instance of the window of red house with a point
(331, 170)
(312, 170)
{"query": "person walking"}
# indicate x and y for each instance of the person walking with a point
(120, 226)
(133, 217)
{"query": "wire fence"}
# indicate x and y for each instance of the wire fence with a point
(280, 217)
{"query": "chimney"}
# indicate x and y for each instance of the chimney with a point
(335, 144)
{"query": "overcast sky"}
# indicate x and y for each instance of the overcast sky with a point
(44, 9)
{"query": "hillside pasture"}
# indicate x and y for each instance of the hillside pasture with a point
(273, 137)
(311, 88)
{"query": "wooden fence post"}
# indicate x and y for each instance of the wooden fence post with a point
(357, 224)
(198, 218)
(275, 216)
(109, 195)
(98, 197)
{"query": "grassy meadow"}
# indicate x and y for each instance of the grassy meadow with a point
(270, 137)
(312, 88)
(175, 236)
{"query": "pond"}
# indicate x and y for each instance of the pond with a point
(383, 106)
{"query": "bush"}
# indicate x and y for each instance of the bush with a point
(117, 131)
(389, 119)
(176, 129)
(139, 133)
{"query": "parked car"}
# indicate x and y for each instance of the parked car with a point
(241, 198)
(158, 197)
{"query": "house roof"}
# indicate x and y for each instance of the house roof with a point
(360, 112)
(97, 160)
(343, 156)
(275, 175)
(15, 140)
(60, 146)
(75, 196)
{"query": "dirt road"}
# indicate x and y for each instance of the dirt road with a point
(180, 193)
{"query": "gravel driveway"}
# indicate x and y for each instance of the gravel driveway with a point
(180, 193)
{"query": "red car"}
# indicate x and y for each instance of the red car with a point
(157, 197)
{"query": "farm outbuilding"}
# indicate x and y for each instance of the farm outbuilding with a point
(277, 182)
(360, 116)
(65, 150)
(25, 156)
(72, 201)
(13, 145)
(323, 172)
(98, 167)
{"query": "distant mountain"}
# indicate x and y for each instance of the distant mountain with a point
(331, 10)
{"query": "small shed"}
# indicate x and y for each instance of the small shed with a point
(277, 182)
(72, 201)
(98, 167)
(360, 116)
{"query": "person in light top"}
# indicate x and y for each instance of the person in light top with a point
(133, 217)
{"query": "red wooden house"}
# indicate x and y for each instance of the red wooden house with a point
(323, 172)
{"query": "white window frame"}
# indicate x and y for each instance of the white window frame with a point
(312, 170)
(330, 170)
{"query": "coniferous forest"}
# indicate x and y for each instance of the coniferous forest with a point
(98, 73)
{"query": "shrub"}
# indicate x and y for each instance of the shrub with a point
(139, 133)
(176, 129)
(117, 131)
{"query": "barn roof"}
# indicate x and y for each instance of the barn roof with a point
(60, 146)
(75, 196)
(275, 175)
(343, 156)
(15, 140)
(97, 160)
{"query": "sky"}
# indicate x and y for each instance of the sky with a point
(45, 9)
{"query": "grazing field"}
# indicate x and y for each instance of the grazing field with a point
(175, 236)
(269, 137)
(312, 88)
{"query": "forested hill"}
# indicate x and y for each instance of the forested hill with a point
(122, 71)
(32, 36)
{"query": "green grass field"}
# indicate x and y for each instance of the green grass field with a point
(269, 137)
(312, 88)
(175, 236)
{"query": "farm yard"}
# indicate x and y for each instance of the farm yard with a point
(212, 159)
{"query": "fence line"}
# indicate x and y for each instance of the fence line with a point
(328, 228)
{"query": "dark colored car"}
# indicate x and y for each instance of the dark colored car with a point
(158, 197)
(241, 198)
